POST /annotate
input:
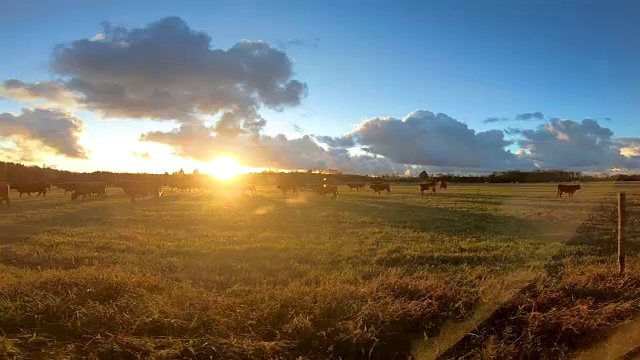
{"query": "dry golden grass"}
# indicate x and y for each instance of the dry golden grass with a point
(273, 276)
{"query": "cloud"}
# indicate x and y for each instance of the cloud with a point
(313, 43)
(629, 147)
(144, 155)
(23, 150)
(50, 91)
(535, 116)
(529, 116)
(421, 139)
(167, 71)
(569, 144)
(202, 143)
(333, 141)
(494, 119)
(56, 130)
(425, 138)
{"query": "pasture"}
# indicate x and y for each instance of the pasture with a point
(231, 276)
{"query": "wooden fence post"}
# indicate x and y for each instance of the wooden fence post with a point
(622, 204)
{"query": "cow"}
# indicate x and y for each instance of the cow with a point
(67, 186)
(4, 193)
(31, 187)
(288, 186)
(324, 189)
(569, 189)
(250, 188)
(431, 187)
(85, 189)
(442, 184)
(199, 181)
(133, 188)
(377, 188)
(356, 185)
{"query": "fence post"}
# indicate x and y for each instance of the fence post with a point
(622, 204)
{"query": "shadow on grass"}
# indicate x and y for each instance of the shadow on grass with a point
(448, 221)
(575, 304)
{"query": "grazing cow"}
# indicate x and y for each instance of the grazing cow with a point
(67, 186)
(569, 189)
(442, 184)
(356, 185)
(205, 182)
(85, 189)
(133, 188)
(377, 188)
(326, 189)
(31, 187)
(431, 187)
(4, 193)
(250, 188)
(288, 186)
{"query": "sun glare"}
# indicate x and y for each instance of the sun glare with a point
(225, 168)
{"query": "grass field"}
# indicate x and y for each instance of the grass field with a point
(272, 276)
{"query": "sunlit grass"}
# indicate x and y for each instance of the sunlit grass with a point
(232, 276)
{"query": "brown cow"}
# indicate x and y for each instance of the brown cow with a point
(442, 184)
(377, 188)
(66, 186)
(431, 187)
(4, 193)
(569, 189)
(324, 189)
(31, 187)
(142, 188)
(288, 186)
(250, 188)
(89, 188)
(356, 185)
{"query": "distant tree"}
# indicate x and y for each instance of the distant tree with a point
(196, 172)
(423, 175)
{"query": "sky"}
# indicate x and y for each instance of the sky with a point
(363, 87)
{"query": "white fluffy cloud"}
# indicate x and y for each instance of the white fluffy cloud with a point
(569, 144)
(425, 138)
(55, 130)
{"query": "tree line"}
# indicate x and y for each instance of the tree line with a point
(16, 173)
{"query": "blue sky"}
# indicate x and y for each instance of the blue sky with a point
(468, 59)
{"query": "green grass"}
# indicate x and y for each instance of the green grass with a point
(273, 276)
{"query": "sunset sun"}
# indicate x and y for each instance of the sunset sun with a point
(224, 168)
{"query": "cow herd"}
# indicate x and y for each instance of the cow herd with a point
(134, 189)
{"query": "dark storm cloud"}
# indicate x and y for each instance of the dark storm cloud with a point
(56, 130)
